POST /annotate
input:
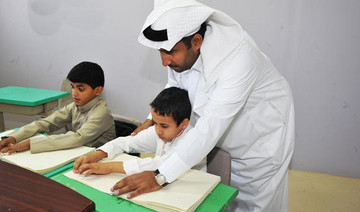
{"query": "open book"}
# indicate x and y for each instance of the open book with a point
(46, 161)
(185, 194)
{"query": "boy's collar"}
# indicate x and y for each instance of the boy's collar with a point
(88, 105)
(183, 132)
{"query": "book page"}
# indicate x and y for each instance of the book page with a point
(5, 133)
(45, 161)
(185, 194)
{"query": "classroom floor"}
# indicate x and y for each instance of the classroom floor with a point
(317, 192)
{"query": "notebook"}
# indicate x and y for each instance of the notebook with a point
(45, 161)
(184, 194)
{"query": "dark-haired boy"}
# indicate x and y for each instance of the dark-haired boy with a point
(171, 111)
(91, 121)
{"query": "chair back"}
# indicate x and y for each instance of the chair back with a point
(124, 126)
(219, 163)
(65, 86)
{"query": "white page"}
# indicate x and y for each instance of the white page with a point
(45, 161)
(5, 133)
(185, 194)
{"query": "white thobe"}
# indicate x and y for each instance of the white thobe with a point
(241, 104)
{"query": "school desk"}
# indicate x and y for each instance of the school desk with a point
(218, 200)
(27, 101)
(24, 190)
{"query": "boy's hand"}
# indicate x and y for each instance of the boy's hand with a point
(6, 142)
(11, 148)
(95, 168)
(87, 159)
(101, 168)
(148, 123)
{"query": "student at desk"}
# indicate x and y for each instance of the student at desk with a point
(171, 111)
(90, 118)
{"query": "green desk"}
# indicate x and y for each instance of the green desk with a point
(27, 101)
(218, 200)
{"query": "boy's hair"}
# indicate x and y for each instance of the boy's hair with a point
(173, 102)
(87, 72)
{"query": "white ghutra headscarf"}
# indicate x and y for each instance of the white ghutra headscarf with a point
(172, 20)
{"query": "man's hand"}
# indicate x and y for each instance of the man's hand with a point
(87, 159)
(148, 123)
(11, 148)
(7, 142)
(140, 183)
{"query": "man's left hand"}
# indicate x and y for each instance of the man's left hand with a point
(140, 183)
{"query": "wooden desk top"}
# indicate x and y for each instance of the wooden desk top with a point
(23, 190)
(29, 96)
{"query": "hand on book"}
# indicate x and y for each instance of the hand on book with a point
(101, 168)
(87, 159)
(11, 148)
(7, 142)
(140, 183)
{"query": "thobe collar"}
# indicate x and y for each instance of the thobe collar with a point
(181, 134)
(198, 65)
(89, 105)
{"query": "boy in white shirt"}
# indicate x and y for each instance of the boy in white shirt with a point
(170, 111)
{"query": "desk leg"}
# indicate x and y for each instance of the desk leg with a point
(2, 123)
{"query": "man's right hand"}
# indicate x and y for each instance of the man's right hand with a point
(7, 142)
(148, 123)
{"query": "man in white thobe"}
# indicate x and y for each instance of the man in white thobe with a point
(241, 103)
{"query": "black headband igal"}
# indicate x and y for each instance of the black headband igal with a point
(155, 35)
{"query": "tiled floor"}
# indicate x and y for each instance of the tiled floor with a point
(315, 192)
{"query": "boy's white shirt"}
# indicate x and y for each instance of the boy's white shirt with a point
(146, 141)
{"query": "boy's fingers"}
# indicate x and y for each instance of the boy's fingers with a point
(4, 150)
(3, 143)
(89, 172)
(11, 150)
(140, 183)
(77, 163)
(84, 167)
(80, 161)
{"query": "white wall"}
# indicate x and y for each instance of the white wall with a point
(315, 45)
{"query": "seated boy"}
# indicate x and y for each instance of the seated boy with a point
(91, 121)
(170, 111)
